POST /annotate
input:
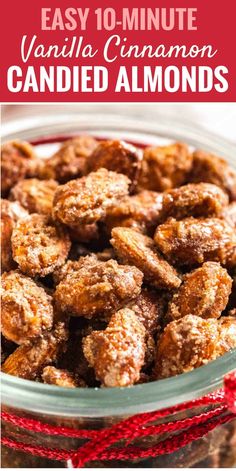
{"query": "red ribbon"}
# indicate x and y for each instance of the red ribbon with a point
(101, 443)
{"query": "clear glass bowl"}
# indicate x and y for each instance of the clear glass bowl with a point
(98, 408)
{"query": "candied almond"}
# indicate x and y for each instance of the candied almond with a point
(227, 334)
(10, 213)
(70, 161)
(194, 241)
(98, 287)
(141, 211)
(72, 266)
(139, 250)
(62, 378)
(26, 308)
(190, 342)
(28, 360)
(35, 195)
(86, 200)
(165, 167)
(149, 307)
(117, 353)
(204, 292)
(62, 272)
(18, 160)
(118, 156)
(13, 209)
(38, 246)
(199, 199)
(212, 169)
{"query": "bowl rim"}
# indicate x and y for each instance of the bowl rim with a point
(102, 402)
(121, 122)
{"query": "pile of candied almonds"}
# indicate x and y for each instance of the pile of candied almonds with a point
(118, 263)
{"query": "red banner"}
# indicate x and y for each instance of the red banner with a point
(118, 51)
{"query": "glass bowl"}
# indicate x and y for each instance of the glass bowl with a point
(98, 408)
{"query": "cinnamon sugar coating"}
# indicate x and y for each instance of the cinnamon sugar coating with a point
(119, 157)
(141, 211)
(227, 334)
(149, 308)
(85, 259)
(191, 342)
(12, 208)
(139, 250)
(213, 169)
(229, 214)
(165, 167)
(200, 199)
(194, 241)
(98, 287)
(35, 195)
(86, 200)
(62, 378)
(28, 360)
(117, 353)
(10, 213)
(70, 161)
(71, 266)
(18, 160)
(27, 310)
(204, 292)
(38, 246)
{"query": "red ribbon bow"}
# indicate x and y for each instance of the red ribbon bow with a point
(101, 443)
